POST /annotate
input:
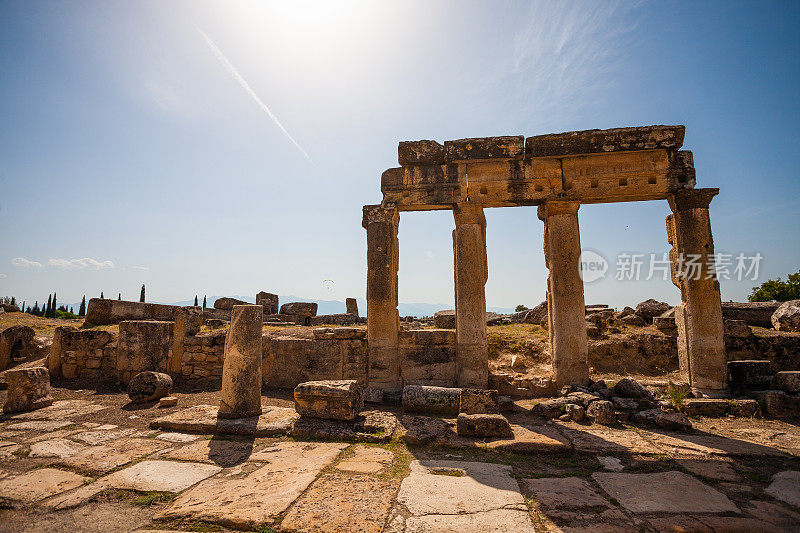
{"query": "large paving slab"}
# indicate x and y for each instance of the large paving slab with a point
(61, 410)
(101, 436)
(38, 425)
(38, 484)
(563, 493)
(222, 452)
(163, 476)
(717, 469)
(58, 448)
(203, 419)
(106, 457)
(702, 445)
(483, 495)
(663, 492)
(366, 460)
(785, 487)
(528, 438)
(342, 502)
(177, 437)
(594, 439)
(261, 496)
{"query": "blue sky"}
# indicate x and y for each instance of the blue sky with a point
(227, 147)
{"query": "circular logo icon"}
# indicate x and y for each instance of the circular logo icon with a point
(593, 266)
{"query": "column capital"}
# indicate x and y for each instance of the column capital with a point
(468, 213)
(685, 199)
(378, 213)
(558, 207)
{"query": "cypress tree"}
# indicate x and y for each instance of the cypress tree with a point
(23, 306)
(119, 297)
(49, 303)
(195, 300)
(36, 308)
(204, 302)
(141, 296)
(82, 308)
(53, 309)
(13, 301)
(72, 310)
(101, 296)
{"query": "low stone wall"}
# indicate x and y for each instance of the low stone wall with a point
(79, 353)
(102, 312)
(143, 345)
(202, 357)
(333, 353)
(428, 357)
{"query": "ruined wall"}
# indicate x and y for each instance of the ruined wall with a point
(101, 312)
(143, 345)
(79, 353)
(202, 358)
(428, 357)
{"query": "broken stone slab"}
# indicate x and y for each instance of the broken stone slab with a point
(630, 388)
(431, 400)
(649, 309)
(258, 498)
(369, 426)
(601, 141)
(103, 458)
(787, 381)
(273, 421)
(749, 375)
(329, 399)
(366, 460)
(716, 469)
(478, 401)
(445, 319)
(299, 309)
(709, 407)
(663, 492)
(483, 425)
(575, 412)
(30, 487)
(662, 419)
(28, 389)
(785, 487)
(351, 306)
(16, 342)
(268, 301)
(551, 407)
(507, 147)
(149, 386)
(779, 404)
(422, 430)
(752, 313)
(563, 493)
(787, 316)
(162, 476)
(59, 448)
(425, 152)
(222, 452)
(226, 304)
(167, 401)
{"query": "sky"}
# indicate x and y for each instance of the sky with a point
(228, 147)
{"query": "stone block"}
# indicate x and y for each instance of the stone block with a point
(341, 319)
(268, 301)
(752, 313)
(610, 140)
(420, 152)
(352, 306)
(149, 387)
(787, 381)
(226, 304)
(431, 400)
(28, 389)
(710, 407)
(749, 375)
(479, 401)
(787, 316)
(143, 345)
(778, 404)
(330, 399)
(575, 412)
(445, 319)
(305, 309)
(508, 147)
(241, 375)
(483, 425)
(649, 309)
(602, 412)
(630, 388)
(16, 342)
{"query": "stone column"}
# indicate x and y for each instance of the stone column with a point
(566, 309)
(701, 343)
(471, 273)
(383, 320)
(241, 370)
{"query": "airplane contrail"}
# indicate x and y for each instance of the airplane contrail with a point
(227, 64)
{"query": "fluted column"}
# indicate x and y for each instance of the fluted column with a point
(566, 308)
(701, 343)
(383, 320)
(471, 273)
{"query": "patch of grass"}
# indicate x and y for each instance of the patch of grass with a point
(512, 338)
(147, 499)
(453, 472)
(265, 529)
(201, 526)
(676, 394)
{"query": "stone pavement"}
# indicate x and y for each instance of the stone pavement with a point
(727, 475)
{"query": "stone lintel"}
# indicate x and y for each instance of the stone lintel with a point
(378, 213)
(469, 213)
(420, 152)
(681, 169)
(508, 147)
(686, 199)
(558, 207)
(611, 140)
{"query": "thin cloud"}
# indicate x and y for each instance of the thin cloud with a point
(25, 263)
(140, 268)
(80, 264)
(238, 77)
(3, 276)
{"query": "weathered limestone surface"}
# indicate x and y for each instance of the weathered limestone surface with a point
(79, 353)
(479, 401)
(38, 484)
(101, 312)
(203, 419)
(188, 321)
(149, 386)
(16, 341)
(787, 316)
(352, 306)
(162, 476)
(334, 399)
(509, 147)
(226, 304)
(787, 381)
(701, 343)
(749, 375)
(471, 273)
(566, 305)
(383, 320)
(299, 309)
(28, 389)
(241, 374)
(483, 425)
(143, 345)
(751, 313)
(269, 301)
(428, 357)
(611, 140)
(431, 400)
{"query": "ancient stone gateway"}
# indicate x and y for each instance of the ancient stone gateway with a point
(557, 173)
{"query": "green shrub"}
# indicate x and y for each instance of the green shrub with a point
(777, 290)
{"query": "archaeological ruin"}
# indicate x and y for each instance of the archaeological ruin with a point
(556, 173)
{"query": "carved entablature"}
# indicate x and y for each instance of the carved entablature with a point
(593, 166)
